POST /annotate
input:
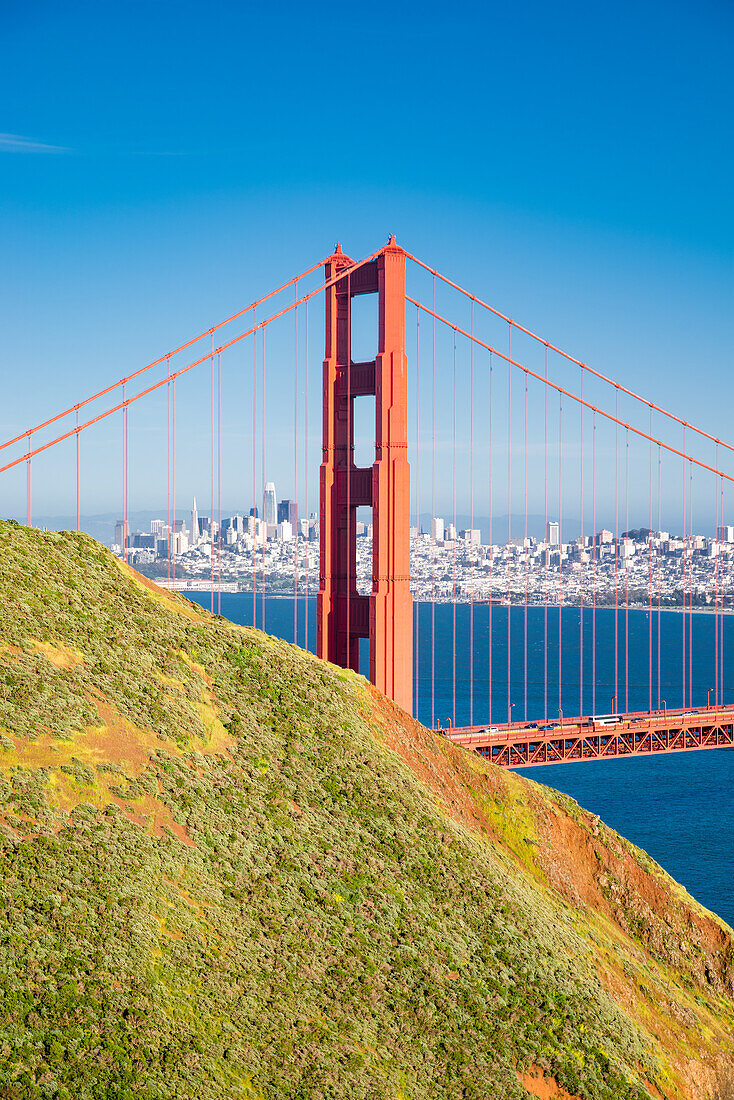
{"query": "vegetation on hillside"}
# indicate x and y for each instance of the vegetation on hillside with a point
(229, 869)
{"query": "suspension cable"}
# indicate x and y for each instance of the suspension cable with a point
(565, 355)
(177, 374)
(164, 358)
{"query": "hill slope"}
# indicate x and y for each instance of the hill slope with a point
(229, 869)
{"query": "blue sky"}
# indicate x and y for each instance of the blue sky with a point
(163, 164)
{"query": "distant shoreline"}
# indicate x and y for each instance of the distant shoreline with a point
(676, 609)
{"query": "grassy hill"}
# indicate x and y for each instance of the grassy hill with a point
(231, 870)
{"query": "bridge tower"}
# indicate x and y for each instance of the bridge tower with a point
(386, 615)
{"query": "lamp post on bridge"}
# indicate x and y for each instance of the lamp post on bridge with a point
(708, 698)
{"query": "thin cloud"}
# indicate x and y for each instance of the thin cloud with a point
(14, 143)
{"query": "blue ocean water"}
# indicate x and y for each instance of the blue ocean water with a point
(678, 807)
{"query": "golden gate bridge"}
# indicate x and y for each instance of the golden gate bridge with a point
(494, 411)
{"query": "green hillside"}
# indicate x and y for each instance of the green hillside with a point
(231, 870)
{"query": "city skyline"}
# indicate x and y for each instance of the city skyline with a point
(636, 568)
(625, 260)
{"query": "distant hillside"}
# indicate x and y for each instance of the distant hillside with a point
(231, 870)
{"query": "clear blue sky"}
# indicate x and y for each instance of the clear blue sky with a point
(161, 164)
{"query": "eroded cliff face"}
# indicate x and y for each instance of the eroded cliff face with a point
(656, 950)
(231, 869)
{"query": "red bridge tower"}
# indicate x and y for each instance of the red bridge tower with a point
(386, 615)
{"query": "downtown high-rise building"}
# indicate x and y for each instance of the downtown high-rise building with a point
(287, 510)
(194, 537)
(552, 532)
(122, 532)
(270, 504)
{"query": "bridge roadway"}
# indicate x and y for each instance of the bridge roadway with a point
(563, 740)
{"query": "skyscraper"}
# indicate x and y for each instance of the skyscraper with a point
(552, 532)
(122, 532)
(287, 510)
(270, 504)
(194, 537)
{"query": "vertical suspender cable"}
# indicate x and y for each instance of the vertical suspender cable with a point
(471, 525)
(593, 563)
(350, 463)
(525, 557)
(685, 578)
(560, 551)
(615, 708)
(253, 526)
(582, 551)
(124, 477)
(306, 504)
(721, 602)
(490, 639)
(125, 531)
(433, 517)
(173, 478)
(547, 551)
(211, 469)
(124, 465)
(508, 556)
(295, 464)
(219, 483)
(28, 484)
(168, 480)
(77, 469)
(127, 472)
(417, 493)
(690, 582)
(626, 573)
(716, 584)
(660, 453)
(453, 551)
(649, 583)
(263, 528)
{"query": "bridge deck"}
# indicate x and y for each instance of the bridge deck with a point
(521, 744)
